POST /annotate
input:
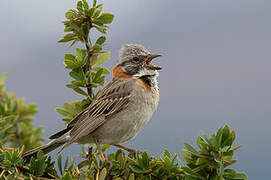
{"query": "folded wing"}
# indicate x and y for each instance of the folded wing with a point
(112, 99)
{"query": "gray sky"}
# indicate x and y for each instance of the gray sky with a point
(216, 59)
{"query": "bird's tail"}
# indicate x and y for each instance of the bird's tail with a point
(45, 149)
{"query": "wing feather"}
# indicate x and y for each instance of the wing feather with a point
(113, 98)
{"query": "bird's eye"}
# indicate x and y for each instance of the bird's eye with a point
(135, 59)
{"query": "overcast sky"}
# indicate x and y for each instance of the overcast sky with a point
(216, 59)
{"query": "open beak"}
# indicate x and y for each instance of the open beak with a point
(149, 64)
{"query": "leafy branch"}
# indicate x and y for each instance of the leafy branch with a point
(16, 121)
(210, 160)
(84, 66)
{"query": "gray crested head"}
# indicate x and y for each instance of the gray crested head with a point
(136, 60)
(129, 51)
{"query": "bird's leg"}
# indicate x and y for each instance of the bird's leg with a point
(100, 152)
(130, 150)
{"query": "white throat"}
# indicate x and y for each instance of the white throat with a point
(150, 79)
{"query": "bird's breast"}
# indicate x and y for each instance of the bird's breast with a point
(141, 108)
(127, 123)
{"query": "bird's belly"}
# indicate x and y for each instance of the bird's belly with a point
(126, 124)
(123, 126)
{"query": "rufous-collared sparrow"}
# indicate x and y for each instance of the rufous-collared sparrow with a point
(120, 110)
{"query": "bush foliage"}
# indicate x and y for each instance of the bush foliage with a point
(210, 160)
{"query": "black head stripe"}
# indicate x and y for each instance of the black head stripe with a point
(147, 79)
(130, 67)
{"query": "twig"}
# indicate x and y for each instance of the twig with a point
(88, 68)
(2, 173)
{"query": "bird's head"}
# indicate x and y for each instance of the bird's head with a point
(136, 61)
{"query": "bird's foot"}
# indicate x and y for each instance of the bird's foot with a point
(132, 152)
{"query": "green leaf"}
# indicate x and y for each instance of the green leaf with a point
(90, 12)
(38, 165)
(73, 25)
(67, 28)
(80, 6)
(70, 86)
(190, 148)
(80, 53)
(85, 5)
(83, 164)
(97, 11)
(136, 169)
(102, 174)
(94, 3)
(97, 47)
(105, 147)
(105, 18)
(201, 142)
(167, 153)
(66, 176)
(139, 160)
(69, 107)
(93, 59)
(80, 91)
(225, 149)
(59, 163)
(231, 174)
(2, 109)
(97, 76)
(102, 58)
(203, 134)
(225, 134)
(100, 81)
(69, 62)
(230, 140)
(101, 40)
(78, 75)
(104, 70)
(219, 136)
(73, 43)
(62, 111)
(132, 176)
(145, 159)
(68, 37)
(66, 163)
(81, 56)
(70, 14)
(78, 84)
(187, 156)
(102, 29)
(3, 78)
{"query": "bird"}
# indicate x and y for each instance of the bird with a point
(119, 111)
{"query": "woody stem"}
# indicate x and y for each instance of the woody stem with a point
(88, 68)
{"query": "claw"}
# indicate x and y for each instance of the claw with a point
(130, 150)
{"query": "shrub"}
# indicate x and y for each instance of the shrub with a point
(17, 134)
